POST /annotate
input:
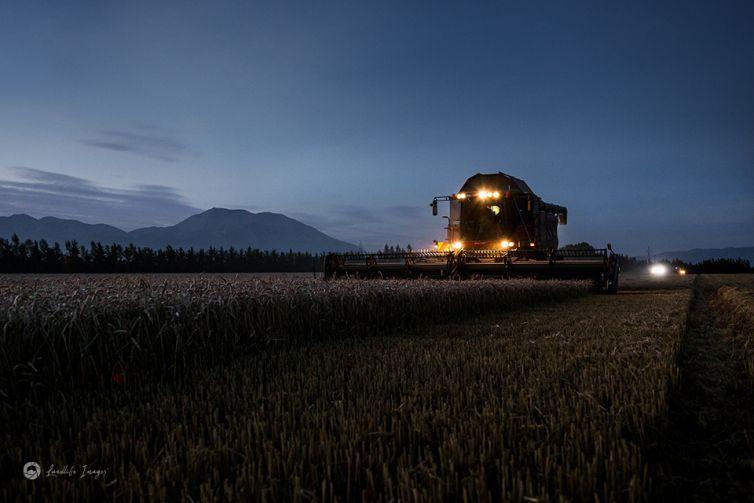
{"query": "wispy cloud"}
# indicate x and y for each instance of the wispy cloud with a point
(145, 141)
(376, 226)
(45, 193)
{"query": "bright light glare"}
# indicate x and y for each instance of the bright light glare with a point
(658, 270)
(457, 245)
(484, 194)
(507, 244)
(461, 195)
(682, 272)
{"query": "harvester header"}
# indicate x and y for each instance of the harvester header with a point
(497, 226)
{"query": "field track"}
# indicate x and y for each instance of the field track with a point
(709, 445)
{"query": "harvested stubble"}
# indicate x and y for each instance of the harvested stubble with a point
(706, 451)
(73, 332)
(547, 403)
(734, 301)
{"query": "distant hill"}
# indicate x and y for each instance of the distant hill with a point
(57, 229)
(700, 254)
(217, 227)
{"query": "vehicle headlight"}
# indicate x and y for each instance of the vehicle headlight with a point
(658, 270)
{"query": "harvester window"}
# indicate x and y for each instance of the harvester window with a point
(482, 222)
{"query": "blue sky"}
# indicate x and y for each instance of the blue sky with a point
(351, 116)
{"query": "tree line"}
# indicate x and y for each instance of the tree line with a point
(32, 256)
(717, 266)
(40, 257)
(714, 266)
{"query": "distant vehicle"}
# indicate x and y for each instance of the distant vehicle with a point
(663, 269)
(497, 226)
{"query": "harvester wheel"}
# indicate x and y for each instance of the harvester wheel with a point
(598, 284)
(613, 287)
(613, 274)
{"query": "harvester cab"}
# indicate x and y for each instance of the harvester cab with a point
(497, 227)
(499, 211)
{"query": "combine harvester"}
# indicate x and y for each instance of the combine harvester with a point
(497, 227)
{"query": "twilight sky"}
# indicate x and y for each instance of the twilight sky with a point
(350, 116)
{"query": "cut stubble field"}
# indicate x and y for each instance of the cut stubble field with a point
(538, 393)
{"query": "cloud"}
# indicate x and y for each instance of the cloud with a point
(376, 226)
(45, 193)
(146, 142)
(402, 211)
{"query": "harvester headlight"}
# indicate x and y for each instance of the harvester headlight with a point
(457, 245)
(658, 270)
(461, 195)
(507, 244)
(496, 195)
(682, 272)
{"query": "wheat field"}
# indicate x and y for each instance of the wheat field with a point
(294, 389)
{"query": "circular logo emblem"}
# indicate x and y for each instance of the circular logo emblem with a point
(32, 470)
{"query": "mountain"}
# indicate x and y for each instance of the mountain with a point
(217, 227)
(700, 254)
(57, 229)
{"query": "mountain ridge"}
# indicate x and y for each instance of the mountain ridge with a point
(217, 227)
